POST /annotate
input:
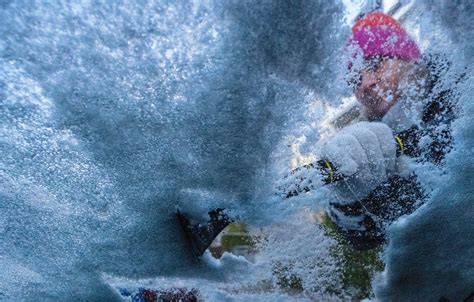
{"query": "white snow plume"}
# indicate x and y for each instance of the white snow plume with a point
(113, 113)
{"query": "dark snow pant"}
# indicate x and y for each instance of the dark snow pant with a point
(396, 197)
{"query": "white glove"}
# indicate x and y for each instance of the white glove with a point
(365, 153)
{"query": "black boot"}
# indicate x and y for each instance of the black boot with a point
(201, 235)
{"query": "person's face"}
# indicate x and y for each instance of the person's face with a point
(378, 87)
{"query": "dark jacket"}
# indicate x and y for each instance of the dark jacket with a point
(402, 195)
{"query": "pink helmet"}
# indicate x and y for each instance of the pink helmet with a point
(378, 34)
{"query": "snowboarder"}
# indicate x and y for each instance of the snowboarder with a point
(365, 161)
(394, 84)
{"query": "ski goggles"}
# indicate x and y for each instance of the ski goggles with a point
(354, 80)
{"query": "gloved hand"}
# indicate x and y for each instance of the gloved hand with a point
(365, 153)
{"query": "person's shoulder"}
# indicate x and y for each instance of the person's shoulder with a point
(437, 65)
(442, 82)
(440, 68)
